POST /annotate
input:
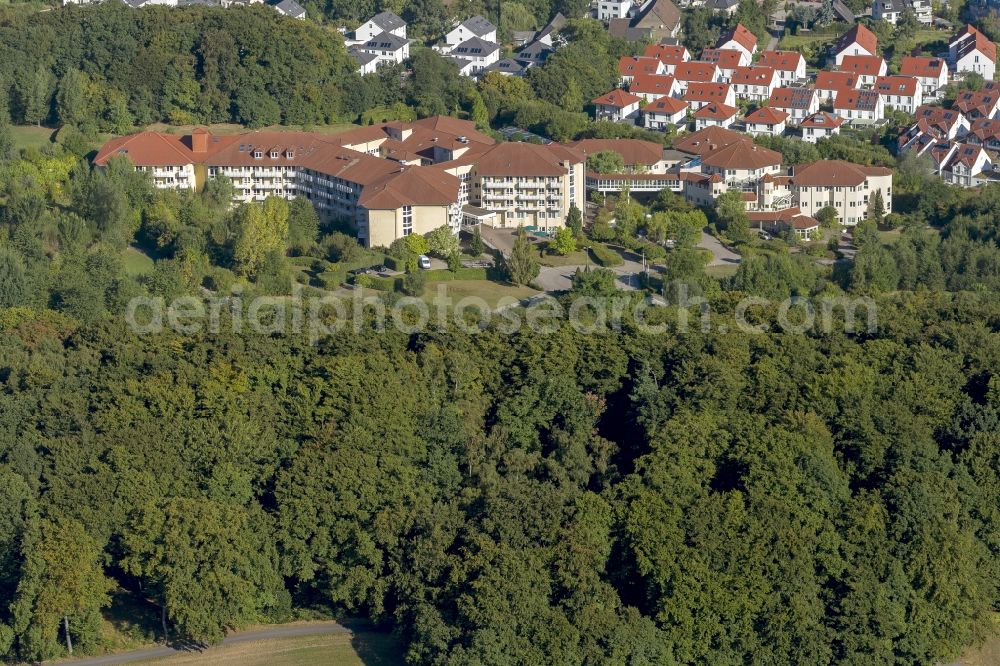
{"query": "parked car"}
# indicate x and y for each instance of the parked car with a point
(424, 261)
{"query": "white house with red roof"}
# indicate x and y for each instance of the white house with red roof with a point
(984, 132)
(670, 55)
(828, 84)
(978, 103)
(727, 60)
(820, 125)
(862, 105)
(903, 93)
(618, 106)
(971, 51)
(739, 38)
(654, 86)
(755, 83)
(858, 41)
(962, 163)
(847, 187)
(766, 120)
(715, 114)
(688, 72)
(664, 113)
(631, 66)
(932, 73)
(798, 103)
(700, 93)
(866, 68)
(790, 65)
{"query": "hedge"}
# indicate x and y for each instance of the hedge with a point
(332, 279)
(376, 283)
(605, 257)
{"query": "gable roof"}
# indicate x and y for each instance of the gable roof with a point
(507, 66)
(633, 151)
(290, 8)
(387, 21)
(857, 100)
(741, 36)
(147, 149)
(716, 110)
(860, 35)
(652, 84)
(985, 129)
(965, 154)
(411, 186)
(617, 98)
(667, 105)
(478, 25)
(822, 119)
(635, 65)
(767, 116)
(669, 54)
(474, 47)
(897, 85)
(792, 98)
(785, 61)
(527, 159)
(922, 66)
(973, 40)
(836, 80)
(386, 42)
(361, 57)
(834, 173)
(754, 76)
(724, 58)
(707, 140)
(695, 71)
(743, 154)
(658, 15)
(863, 65)
(706, 91)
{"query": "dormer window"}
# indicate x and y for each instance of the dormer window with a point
(257, 154)
(274, 154)
(290, 153)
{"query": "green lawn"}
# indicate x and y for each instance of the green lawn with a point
(29, 136)
(357, 649)
(489, 291)
(796, 42)
(721, 271)
(578, 258)
(232, 128)
(137, 262)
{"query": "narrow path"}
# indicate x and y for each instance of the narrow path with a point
(161, 651)
(721, 255)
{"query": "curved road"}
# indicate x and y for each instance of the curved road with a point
(160, 651)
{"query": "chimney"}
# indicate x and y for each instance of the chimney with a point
(199, 140)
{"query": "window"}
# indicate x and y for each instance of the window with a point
(274, 154)
(257, 154)
(407, 220)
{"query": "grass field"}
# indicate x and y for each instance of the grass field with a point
(358, 649)
(491, 292)
(29, 136)
(577, 258)
(795, 42)
(231, 128)
(137, 262)
(722, 271)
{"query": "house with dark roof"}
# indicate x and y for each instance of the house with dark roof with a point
(378, 24)
(477, 26)
(653, 21)
(507, 67)
(478, 53)
(387, 47)
(291, 9)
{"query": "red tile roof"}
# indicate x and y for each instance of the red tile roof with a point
(667, 53)
(863, 65)
(652, 84)
(766, 116)
(527, 159)
(631, 66)
(977, 103)
(724, 58)
(754, 76)
(707, 140)
(897, 85)
(835, 80)
(792, 98)
(716, 110)
(633, 151)
(668, 105)
(742, 155)
(617, 98)
(831, 173)
(857, 100)
(861, 35)
(985, 129)
(696, 71)
(785, 61)
(741, 36)
(822, 119)
(701, 91)
(925, 67)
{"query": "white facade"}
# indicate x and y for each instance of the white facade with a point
(374, 27)
(477, 26)
(613, 9)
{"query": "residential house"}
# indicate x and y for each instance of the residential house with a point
(779, 221)
(790, 65)
(388, 48)
(964, 163)
(367, 62)
(892, 10)
(766, 120)
(664, 113)
(727, 7)
(291, 9)
(858, 41)
(535, 53)
(866, 106)
(507, 67)
(755, 83)
(653, 21)
(715, 114)
(978, 103)
(798, 103)
(985, 132)
(931, 72)
(828, 84)
(613, 9)
(866, 68)
(933, 125)
(475, 27)
(478, 52)
(618, 106)
(971, 51)
(689, 72)
(652, 87)
(726, 60)
(739, 38)
(820, 125)
(847, 187)
(385, 22)
(700, 93)
(631, 66)
(669, 54)
(903, 93)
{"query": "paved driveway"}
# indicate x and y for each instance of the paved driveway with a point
(721, 255)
